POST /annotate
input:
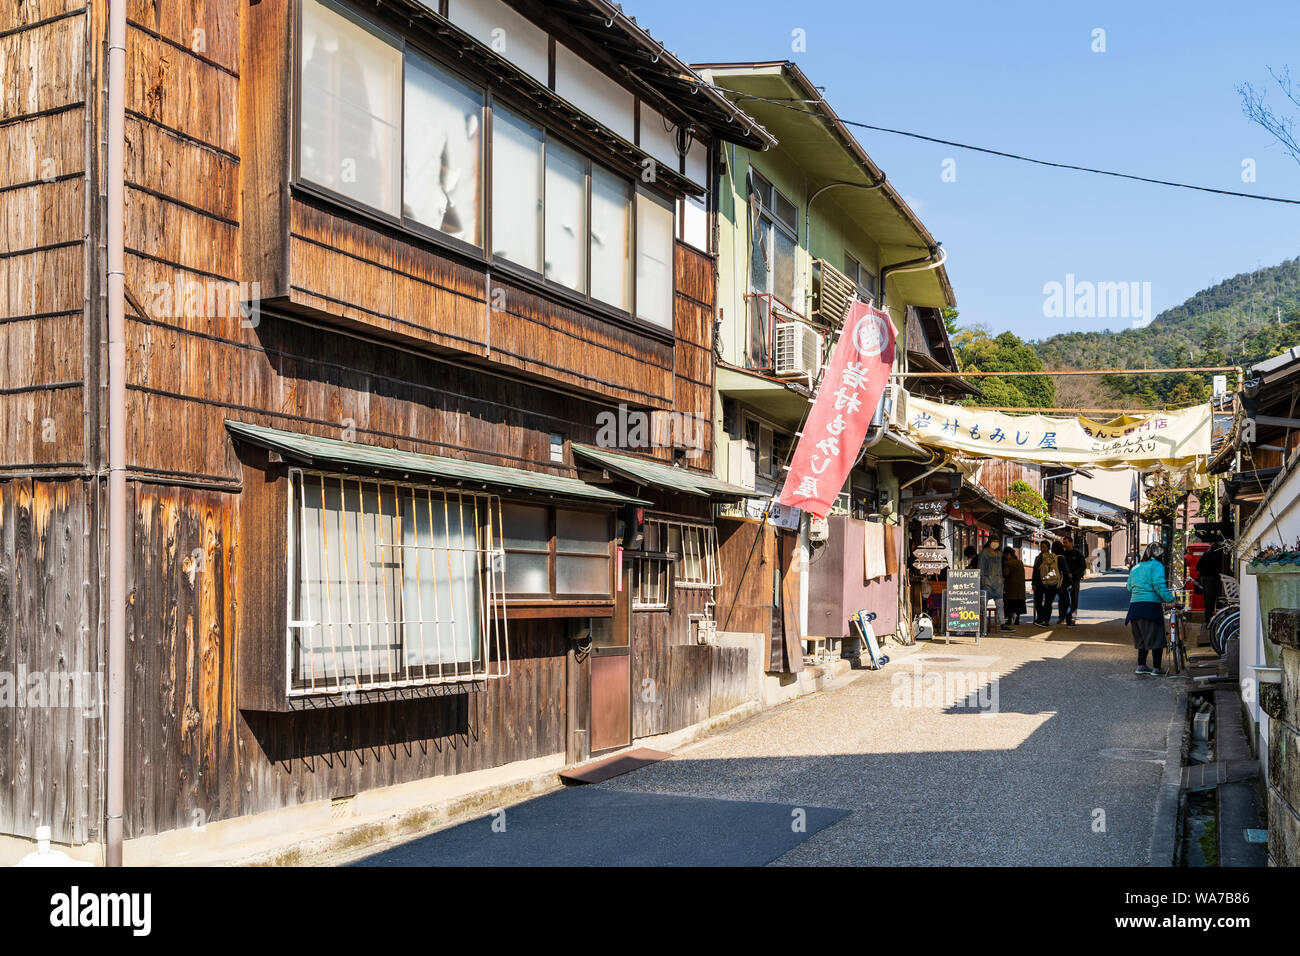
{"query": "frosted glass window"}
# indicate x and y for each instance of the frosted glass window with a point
(580, 575)
(390, 581)
(443, 143)
(350, 109)
(517, 184)
(695, 223)
(582, 531)
(610, 233)
(527, 533)
(654, 261)
(526, 527)
(566, 217)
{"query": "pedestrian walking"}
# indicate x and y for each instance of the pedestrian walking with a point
(1065, 590)
(1078, 566)
(1045, 579)
(991, 580)
(1013, 577)
(1148, 596)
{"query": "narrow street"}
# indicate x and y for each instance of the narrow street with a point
(1059, 762)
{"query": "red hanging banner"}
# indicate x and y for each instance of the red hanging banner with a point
(840, 416)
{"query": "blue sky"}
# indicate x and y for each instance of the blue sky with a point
(1022, 77)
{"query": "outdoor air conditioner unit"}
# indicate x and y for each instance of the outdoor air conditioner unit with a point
(798, 350)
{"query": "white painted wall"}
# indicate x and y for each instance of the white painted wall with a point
(1277, 523)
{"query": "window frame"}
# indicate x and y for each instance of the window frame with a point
(636, 581)
(867, 293)
(707, 555)
(554, 596)
(481, 253)
(478, 667)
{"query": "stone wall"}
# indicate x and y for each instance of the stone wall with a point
(1282, 704)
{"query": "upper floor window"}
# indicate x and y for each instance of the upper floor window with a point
(392, 130)
(350, 108)
(862, 277)
(443, 145)
(776, 237)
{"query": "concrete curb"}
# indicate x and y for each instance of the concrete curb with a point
(1164, 829)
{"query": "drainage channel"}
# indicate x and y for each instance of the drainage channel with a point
(1198, 811)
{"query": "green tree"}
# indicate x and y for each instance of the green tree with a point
(1023, 497)
(949, 315)
(978, 350)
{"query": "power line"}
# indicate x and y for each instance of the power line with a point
(789, 104)
(1068, 371)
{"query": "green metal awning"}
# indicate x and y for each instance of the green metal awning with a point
(642, 472)
(330, 452)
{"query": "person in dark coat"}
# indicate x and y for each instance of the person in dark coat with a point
(1044, 594)
(1013, 593)
(1208, 571)
(1078, 566)
(1064, 591)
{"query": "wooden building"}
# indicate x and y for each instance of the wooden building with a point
(392, 271)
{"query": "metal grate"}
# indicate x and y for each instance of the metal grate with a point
(695, 547)
(392, 585)
(650, 581)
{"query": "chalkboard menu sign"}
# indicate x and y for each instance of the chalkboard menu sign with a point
(963, 597)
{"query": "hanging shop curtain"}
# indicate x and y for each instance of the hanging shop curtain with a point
(873, 558)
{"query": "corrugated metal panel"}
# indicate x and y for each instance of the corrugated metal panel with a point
(660, 476)
(312, 450)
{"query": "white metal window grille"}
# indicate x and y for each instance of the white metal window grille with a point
(392, 585)
(695, 547)
(650, 581)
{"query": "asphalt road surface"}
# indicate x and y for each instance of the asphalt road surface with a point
(1055, 759)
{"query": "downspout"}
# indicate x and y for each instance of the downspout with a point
(116, 412)
(936, 258)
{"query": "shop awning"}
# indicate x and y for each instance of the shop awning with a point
(1091, 524)
(353, 456)
(666, 477)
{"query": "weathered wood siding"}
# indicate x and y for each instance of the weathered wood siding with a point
(196, 757)
(50, 726)
(45, 207)
(363, 331)
(51, 695)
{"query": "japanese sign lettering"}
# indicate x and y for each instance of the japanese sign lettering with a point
(849, 394)
(1171, 438)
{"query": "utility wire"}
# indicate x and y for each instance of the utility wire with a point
(790, 105)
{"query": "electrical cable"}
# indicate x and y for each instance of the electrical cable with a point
(789, 104)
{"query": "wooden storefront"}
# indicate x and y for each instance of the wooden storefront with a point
(255, 297)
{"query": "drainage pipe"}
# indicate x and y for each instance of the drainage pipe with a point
(115, 124)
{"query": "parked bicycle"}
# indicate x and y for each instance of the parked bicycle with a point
(1176, 642)
(1224, 626)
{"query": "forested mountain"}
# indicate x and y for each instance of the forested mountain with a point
(1242, 320)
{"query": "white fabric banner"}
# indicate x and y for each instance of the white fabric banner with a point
(1173, 440)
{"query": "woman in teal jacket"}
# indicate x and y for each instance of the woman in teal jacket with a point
(1146, 614)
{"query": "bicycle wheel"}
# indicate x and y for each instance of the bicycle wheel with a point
(1176, 656)
(1216, 624)
(1229, 627)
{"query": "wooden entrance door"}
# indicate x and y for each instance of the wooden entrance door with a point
(611, 673)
